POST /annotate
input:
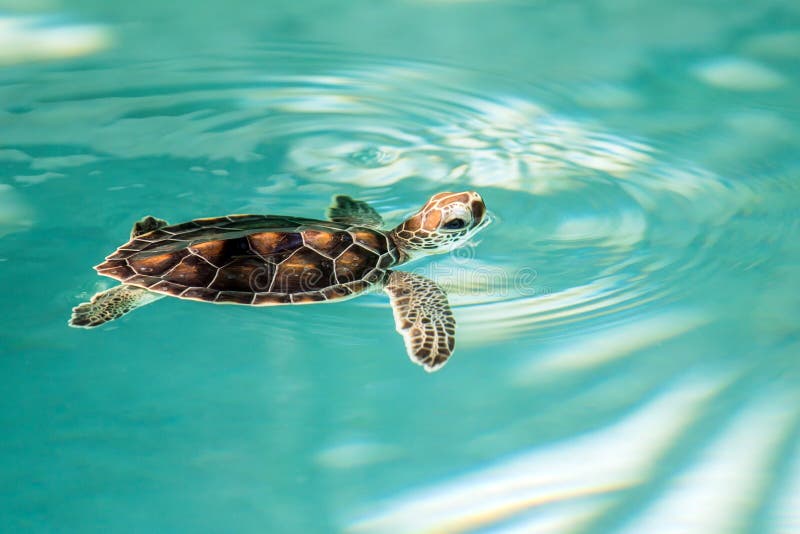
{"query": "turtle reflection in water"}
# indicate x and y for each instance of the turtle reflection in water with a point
(266, 260)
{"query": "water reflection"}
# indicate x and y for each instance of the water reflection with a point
(606, 222)
(567, 483)
(587, 483)
(35, 38)
(607, 249)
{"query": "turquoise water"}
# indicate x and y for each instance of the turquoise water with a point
(628, 334)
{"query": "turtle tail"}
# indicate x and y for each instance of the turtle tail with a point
(109, 305)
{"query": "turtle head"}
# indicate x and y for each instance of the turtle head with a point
(445, 222)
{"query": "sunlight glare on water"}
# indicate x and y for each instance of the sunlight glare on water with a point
(627, 324)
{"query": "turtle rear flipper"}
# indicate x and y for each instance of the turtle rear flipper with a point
(356, 212)
(109, 305)
(422, 316)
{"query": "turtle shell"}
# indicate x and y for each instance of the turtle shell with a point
(257, 260)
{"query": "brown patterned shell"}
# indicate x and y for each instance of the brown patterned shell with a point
(257, 260)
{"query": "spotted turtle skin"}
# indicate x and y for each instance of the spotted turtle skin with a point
(256, 260)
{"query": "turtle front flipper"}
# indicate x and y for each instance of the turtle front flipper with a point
(356, 212)
(422, 316)
(110, 304)
(147, 224)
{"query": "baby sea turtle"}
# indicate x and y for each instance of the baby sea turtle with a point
(266, 260)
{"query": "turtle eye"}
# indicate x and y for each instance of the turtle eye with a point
(455, 224)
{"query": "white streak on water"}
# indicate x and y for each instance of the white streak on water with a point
(579, 475)
(32, 179)
(738, 74)
(354, 453)
(15, 214)
(557, 518)
(31, 38)
(52, 163)
(719, 492)
(787, 517)
(611, 344)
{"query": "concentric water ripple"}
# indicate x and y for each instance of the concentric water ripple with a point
(554, 416)
(592, 223)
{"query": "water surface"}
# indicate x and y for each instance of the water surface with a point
(628, 339)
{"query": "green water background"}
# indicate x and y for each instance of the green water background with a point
(185, 417)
